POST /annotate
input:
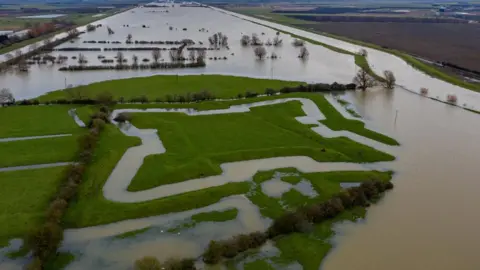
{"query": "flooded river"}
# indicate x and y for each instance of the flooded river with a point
(430, 220)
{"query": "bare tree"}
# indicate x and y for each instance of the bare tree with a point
(120, 58)
(363, 52)
(390, 79)
(255, 40)
(363, 80)
(6, 96)
(245, 40)
(303, 53)
(274, 55)
(129, 38)
(110, 31)
(191, 55)
(82, 59)
(156, 54)
(260, 52)
(277, 41)
(201, 54)
(298, 42)
(135, 60)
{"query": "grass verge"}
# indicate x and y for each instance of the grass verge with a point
(159, 86)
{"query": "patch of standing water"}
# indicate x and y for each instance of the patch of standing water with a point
(11, 264)
(97, 247)
(78, 121)
(44, 16)
(349, 184)
(32, 167)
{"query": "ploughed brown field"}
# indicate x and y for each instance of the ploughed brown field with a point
(458, 44)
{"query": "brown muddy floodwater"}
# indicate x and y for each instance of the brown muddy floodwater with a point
(431, 219)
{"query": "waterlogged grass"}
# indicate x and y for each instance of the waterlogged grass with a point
(216, 216)
(91, 208)
(159, 86)
(197, 145)
(24, 121)
(24, 198)
(258, 265)
(132, 233)
(38, 151)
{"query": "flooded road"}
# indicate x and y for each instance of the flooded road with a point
(431, 219)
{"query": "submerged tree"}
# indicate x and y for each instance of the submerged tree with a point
(363, 80)
(82, 59)
(298, 42)
(363, 52)
(260, 52)
(390, 79)
(191, 55)
(201, 54)
(303, 53)
(277, 41)
(245, 40)
(129, 38)
(120, 58)
(255, 40)
(156, 54)
(6, 96)
(135, 60)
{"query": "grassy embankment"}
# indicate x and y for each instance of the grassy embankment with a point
(92, 208)
(196, 146)
(426, 68)
(159, 86)
(24, 198)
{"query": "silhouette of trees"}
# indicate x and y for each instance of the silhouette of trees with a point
(245, 40)
(303, 53)
(260, 52)
(363, 80)
(156, 54)
(6, 96)
(390, 79)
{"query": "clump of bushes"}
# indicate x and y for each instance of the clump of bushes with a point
(423, 91)
(152, 263)
(300, 220)
(122, 117)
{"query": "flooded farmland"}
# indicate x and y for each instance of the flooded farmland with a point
(429, 221)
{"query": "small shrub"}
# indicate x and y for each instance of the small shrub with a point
(452, 98)
(423, 91)
(250, 94)
(98, 124)
(270, 92)
(105, 98)
(122, 117)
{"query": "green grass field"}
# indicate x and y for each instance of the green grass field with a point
(40, 151)
(159, 86)
(24, 121)
(24, 198)
(197, 145)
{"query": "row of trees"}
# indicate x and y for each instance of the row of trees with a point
(254, 40)
(364, 80)
(45, 241)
